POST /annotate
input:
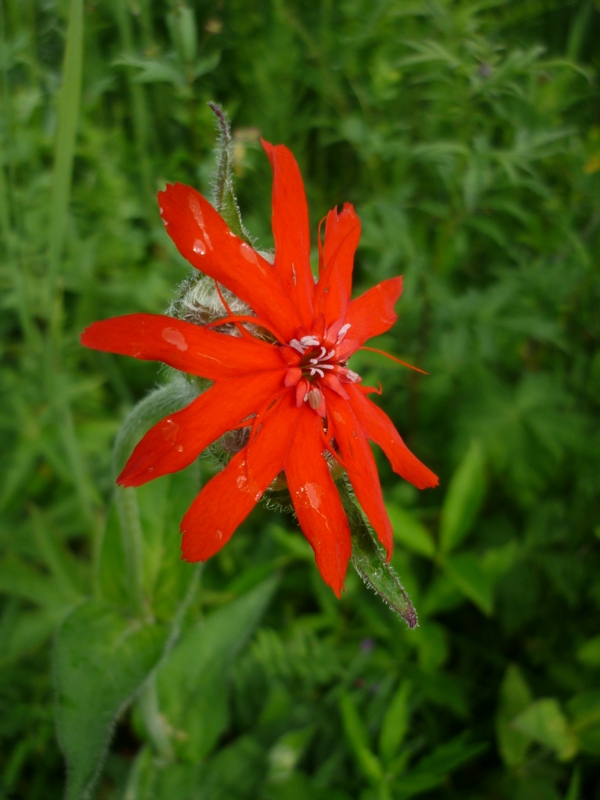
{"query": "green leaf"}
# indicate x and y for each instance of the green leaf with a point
(287, 751)
(463, 499)
(101, 659)
(395, 722)
(193, 681)
(409, 532)
(154, 70)
(573, 792)
(448, 756)
(357, 738)
(589, 652)
(22, 580)
(112, 567)
(544, 722)
(431, 641)
(584, 710)
(467, 574)
(514, 698)
(182, 24)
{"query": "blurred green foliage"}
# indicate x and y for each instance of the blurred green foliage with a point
(467, 136)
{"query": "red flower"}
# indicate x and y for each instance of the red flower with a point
(296, 393)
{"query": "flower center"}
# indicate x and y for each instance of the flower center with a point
(313, 363)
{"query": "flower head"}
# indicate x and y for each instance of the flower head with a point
(291, 390)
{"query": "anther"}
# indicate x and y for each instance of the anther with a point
(343, 331)
(315, 398)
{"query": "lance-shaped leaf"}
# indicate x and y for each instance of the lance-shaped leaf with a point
(101, 659)
(192, 683)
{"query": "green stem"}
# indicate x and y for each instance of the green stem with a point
(133, 545)
(156, 725)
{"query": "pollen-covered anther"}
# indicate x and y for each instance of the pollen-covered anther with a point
(314, 398)
(342, 332)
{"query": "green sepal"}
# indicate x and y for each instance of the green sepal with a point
(224, 199)
(369, 561)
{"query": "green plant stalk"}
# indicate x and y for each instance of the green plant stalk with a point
(155, 723)
(64, 153)
(8, 228)
(68, 117)
(139, 115)
(133, 545)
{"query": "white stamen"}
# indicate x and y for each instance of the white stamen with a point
(343, 331)
(309, 341)
(297, 346)
(315, 370)
(353, 377)
(330, 354)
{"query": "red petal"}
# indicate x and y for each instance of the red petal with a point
(204, 239)
(316, 500)
(291, 231)
(342, 232)
(379, 429)
(230, 496)
(372, 313)
(177, 440)
(182, 345)
(362, 470)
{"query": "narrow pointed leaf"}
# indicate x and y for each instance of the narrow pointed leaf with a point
(192, 684)
(101, 660)
(463, 499)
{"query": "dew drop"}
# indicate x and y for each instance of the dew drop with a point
(257, 496)
(175, 337)
(218, 535)
(313, 493)
(169, 430)
(199, 247)
(241, 481)
(248, 253)
(179, 448)
(196, 210)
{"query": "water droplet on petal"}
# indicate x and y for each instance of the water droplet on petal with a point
(175, 337)
(179, 448)
(169, 430)
(218, 534)
(257, 496)
(248, 253)
(314, 492)
(241, 481)
(199, 247)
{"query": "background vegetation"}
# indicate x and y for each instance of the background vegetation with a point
(467, 136)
